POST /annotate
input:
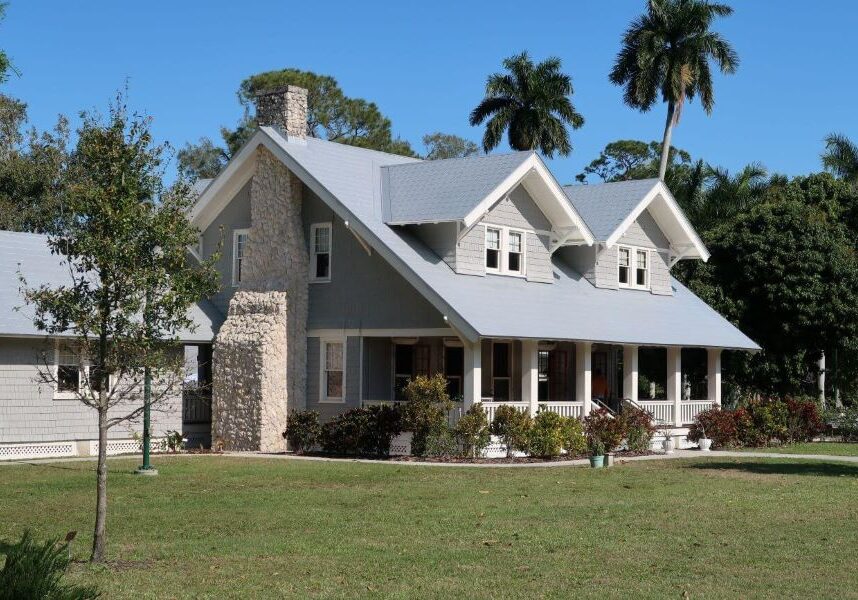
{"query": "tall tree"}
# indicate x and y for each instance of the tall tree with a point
(841, 157)
(446, 145)
(667, 52)
(123, 237)
(624, 160)
(531, 102)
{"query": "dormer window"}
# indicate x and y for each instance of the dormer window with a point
(633, 268)
(320, 252)
(504, 250)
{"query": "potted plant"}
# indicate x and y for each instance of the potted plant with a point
(597, 452)
(704, 443)
(668, 444)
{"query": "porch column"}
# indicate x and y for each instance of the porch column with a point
(713, 377)
(530, 374)
(473, 391)
(583, 375)
(630, 373)
(674, 382)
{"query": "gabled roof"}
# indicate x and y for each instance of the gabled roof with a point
(348, 179)
(29, 253)
(610, 208)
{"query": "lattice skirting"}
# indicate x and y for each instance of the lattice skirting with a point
(115, 447)
(37, 450)
(401, 444)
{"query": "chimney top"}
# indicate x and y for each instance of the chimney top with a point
(284, 108)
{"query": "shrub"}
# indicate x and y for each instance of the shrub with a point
(803, 420)
(637, 428)
(845, 422)
(472, 431)
(34, 570)
(363, 431)
(603, 426)
(545, 438)
(572, 433)
(439, 443)
(716, 424)
(302, 430)
(425, 413)
(512, 427)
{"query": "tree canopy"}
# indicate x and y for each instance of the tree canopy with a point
(446, 145)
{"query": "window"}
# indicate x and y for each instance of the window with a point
(409, 361)
(73, 374)
(552, 375)
(633, 268)
(333, 371)
(501, 369)
(493, 245)
(543, 377)
(504, 250)
(239, 247)
(454, 369)
(320, 252)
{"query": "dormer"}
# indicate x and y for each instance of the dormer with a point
(640, 232)
(498, 215)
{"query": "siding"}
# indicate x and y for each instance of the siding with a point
(29, 413)
(377, 365)
(518, 210)
(470, 252)
(352, 378)
(538, 258)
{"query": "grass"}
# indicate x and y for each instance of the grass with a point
(212, 527)
(827, 448)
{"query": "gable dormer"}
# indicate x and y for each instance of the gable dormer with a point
(498, 215)
(641, 233)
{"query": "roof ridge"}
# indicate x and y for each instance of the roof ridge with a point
(625, 181)
(465, 158)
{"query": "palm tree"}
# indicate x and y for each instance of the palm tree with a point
(531, 102)
(841, 157)
(668, 50)
(729, 194)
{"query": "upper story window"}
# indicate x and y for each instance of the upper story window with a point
(320, 252)
(239, 246)
(633, 267)
(333, 371)
(504, 250)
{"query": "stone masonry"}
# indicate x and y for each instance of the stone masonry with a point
(260, 351)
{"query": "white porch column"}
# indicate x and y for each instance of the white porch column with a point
(530, 374)
(473, 373)
(820, 380)
(713, 376)
(674, 382)
(584, 375)
(630, 373)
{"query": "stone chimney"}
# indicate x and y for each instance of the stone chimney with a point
(284, 108)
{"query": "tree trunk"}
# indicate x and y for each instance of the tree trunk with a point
(665, 143)
(100, 534)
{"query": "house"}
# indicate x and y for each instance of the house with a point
(347, 271)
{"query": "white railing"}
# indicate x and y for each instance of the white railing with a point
(691, 408)
(564, 409)
(661, 410)
(491, 407)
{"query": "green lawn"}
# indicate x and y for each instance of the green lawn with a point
(258, 528)
(828, 448)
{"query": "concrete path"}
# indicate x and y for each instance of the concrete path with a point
(547, 464)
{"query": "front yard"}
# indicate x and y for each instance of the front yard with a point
(240, 528)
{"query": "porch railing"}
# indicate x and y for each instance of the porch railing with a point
(662, 410)
(490, 407)
(564, 409)
(689, 409)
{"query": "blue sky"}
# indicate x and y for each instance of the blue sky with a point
(425, 65)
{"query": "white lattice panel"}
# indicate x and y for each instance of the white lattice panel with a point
(401, 444)
(115, 447)
(36, 450)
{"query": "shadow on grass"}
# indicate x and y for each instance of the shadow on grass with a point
(830, 469)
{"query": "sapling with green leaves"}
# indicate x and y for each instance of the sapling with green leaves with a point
(123, 236)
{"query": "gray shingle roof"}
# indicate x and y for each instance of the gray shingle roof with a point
(443, 190)
(496, 306)
(604, 206)
(30, 254)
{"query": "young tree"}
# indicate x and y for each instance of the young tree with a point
(667, 52)
(531, 102)
(123, 237)
(446, 145)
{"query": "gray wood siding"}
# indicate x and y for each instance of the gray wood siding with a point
(518, 210)
(377, 369)
(538, 259)
(352, 376)
(29, 413)
(470, 252)
(236, 215)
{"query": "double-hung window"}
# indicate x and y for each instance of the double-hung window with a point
(504, 250)
(320, 252)
(333, 384)
(74, 375)
(239, 247)
(633, 266)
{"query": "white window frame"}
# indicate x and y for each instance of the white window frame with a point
(235, 234)
(82, 377)
(633, 267)
(503, 259)
(323, 370)
(313, 255)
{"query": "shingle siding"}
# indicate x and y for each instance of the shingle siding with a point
(470, 252)
(352, 378)
(538, 259)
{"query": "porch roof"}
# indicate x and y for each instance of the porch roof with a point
(349, 180)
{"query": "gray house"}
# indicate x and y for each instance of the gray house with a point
(348, 271)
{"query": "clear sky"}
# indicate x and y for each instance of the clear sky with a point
(425, 64)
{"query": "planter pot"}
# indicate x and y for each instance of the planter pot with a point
(597, 462)
(668, 445)
(705, 444)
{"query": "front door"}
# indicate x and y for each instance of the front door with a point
(600, 387)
